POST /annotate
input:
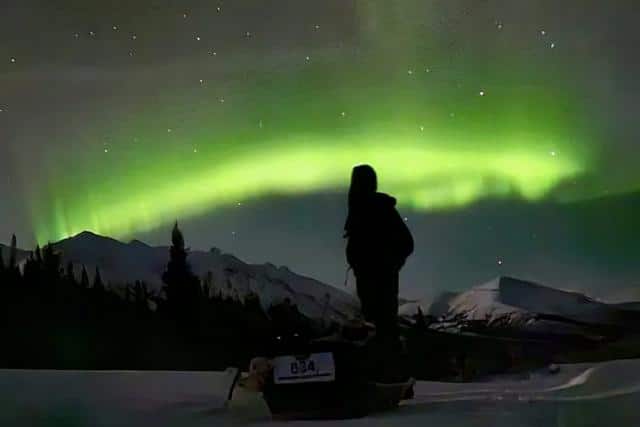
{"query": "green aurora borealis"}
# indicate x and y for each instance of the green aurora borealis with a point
(444, 129)
(502, 144)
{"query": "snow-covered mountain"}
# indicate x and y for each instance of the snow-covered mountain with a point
(5, 252)
(121, 263)
(506, 302)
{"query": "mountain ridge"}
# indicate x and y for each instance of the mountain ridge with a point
(123, 263)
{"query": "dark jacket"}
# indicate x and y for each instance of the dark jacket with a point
(378, 238)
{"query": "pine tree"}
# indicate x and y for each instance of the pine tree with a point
(84, 280)
(38, 255)
(13, 254)
(182, 287)
(98, 285)
(70, 275)
(421, 322)
(2, 266)
(207, 285)
(51, 262)
(31, 270)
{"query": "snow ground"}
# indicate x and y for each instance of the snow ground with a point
(606, 394)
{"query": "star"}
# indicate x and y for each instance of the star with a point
(134, 37)
(92, 33)
(222, 100)
(76, 35)
(201, 81)
(500, 262)
(213, 52)
(13, 60)
(553, 153)
(169, 130)
(427, 70)
(247, 34)
(543, 33)
(218, 9)
(317, 27)
(553, 45)
(307, 58)
(499, 25)
(114, 28)
(343, 114)
(198, 38)
(421, 128)
(410, 71)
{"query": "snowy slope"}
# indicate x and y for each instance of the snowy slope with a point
(6, 250)
(436, 307)
(606, 394)
(530, 307)
(126, 262)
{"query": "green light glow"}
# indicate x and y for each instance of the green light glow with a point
(440, 137)
(423, 177)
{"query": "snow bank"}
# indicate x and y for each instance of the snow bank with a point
(606, 394)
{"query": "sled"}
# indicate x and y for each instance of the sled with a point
(331, 378)
(232, 377)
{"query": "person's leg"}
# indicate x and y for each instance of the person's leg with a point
(387, 305)
(365, 287)
(388, 347)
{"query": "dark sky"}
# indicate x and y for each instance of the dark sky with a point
(505, 129)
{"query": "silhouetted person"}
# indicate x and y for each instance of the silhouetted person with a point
(379, 243)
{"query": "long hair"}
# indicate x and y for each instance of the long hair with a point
(364, 183)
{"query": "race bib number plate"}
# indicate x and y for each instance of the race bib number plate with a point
(317, 367)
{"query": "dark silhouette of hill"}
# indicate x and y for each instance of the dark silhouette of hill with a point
(56, 316)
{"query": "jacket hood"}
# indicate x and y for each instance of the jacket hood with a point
(385, 199)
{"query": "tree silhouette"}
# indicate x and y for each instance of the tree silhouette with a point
(84, 280)
(2, 266)
(421, 322)
(51, 263)
(98, 285)
(69, 274)
(13, 254)
(207, 285)
(182, 287)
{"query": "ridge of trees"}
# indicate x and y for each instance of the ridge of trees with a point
(56, 317)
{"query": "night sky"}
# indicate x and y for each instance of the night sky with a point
(498, 125)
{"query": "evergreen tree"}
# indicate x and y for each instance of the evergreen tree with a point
(31, 270)
(38, 255)
(13, 254)
(51, 263)
(207, 285)
(84, 280)
(142, 296)
(70, 275)
(182, 287)
(421, 322)
(2, 266)
(98, 285)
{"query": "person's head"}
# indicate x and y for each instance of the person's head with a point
(363, 182)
